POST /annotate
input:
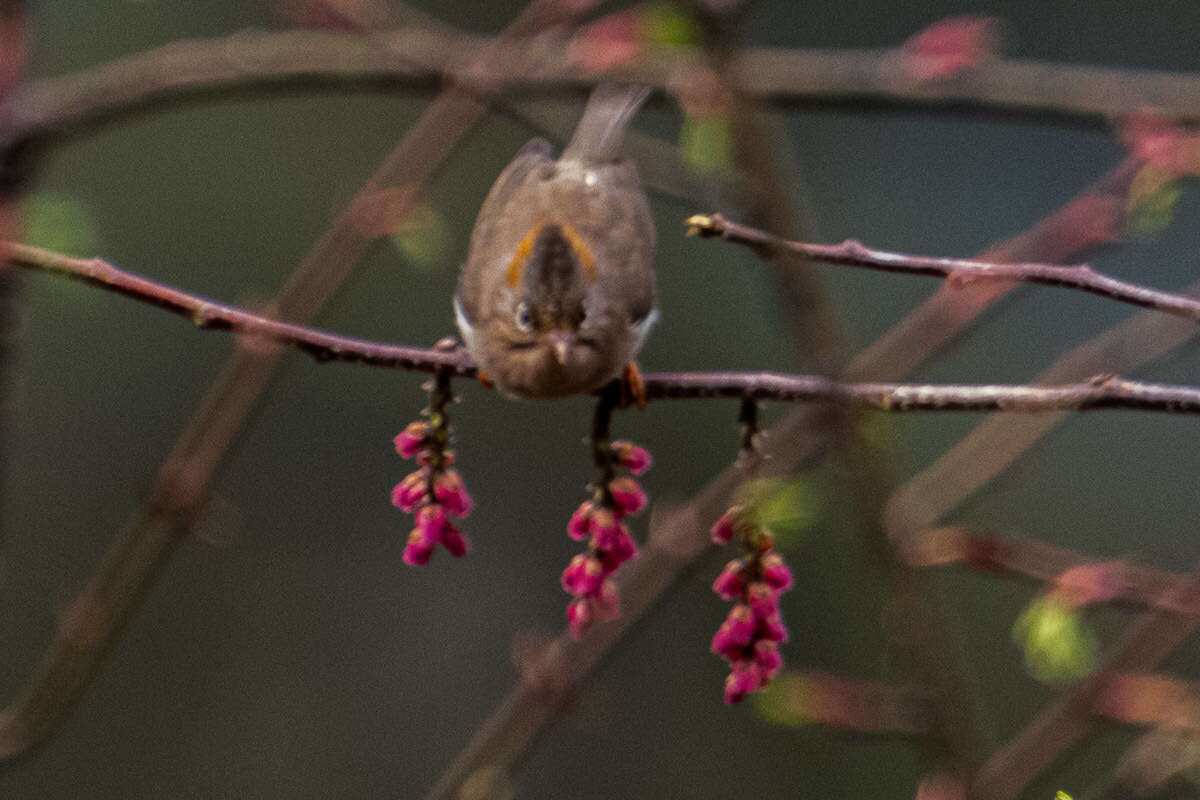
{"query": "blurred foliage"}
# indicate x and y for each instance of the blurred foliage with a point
(1152, 201)
(423, 237)
(1058, 647)
(784, 506)
(666, 24)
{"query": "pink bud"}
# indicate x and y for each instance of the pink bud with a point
(579, 526)
(573, 574)
(607, 604)
(612, 41)
(768, 659)
(579, 617)
(418, 550)
(776, 573)
(727, 526)
(616, 549)
(735, 633)
(605, 528)
(607, 531)
(741, 681)
(628, 496)
(450, 492)
(773, 628)
(409, 492)
(950, 46)
(431, 522)
(633, 458)
(591, 576)
(454, 541)
(410, 440)
(729, 584)
(763, 600)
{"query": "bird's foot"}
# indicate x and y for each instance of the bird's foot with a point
(633, 387)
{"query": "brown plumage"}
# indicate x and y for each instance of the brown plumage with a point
(557, 293)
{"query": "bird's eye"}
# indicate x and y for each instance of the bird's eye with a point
(524, 319)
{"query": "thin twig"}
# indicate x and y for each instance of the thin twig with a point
(679, 537)
(986, 452)
(1104, 391)
(959, 271)
(1069, 716)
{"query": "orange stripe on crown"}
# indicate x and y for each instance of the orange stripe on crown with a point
(516, 267)
(520, 256)
(581, 250)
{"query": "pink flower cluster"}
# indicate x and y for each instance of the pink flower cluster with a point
(601, 522)
(951, 46)
(434, 493)
(750, 636)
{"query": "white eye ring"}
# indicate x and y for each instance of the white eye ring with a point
(524, 322)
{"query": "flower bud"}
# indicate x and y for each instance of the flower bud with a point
(633, 458)
(627, 495)
(410, 440)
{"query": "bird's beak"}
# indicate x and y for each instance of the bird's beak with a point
(560, 342)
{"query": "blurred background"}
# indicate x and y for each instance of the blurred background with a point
(288, 652)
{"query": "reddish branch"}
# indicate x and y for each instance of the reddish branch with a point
(138, 554)
(1104, 391)
(851, 253)
(820, 698)
(985, 552)
(420, 55)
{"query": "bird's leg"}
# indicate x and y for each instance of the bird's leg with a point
(633, 387)
(483, 379)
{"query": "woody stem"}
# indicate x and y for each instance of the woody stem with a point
(602, 456)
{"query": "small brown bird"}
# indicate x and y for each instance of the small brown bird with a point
(557, 294)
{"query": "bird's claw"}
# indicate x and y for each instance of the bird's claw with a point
(633, 386)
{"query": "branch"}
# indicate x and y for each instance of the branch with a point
(417, 55)
(1069, 716)
(677, 538)
(136, 558)
(1151, 699)
(1103, 391)
(1127, 582)
(852, 704)
(959, 271)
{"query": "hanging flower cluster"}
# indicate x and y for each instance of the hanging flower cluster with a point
(600, 521)
(750, 636)
(434, 493)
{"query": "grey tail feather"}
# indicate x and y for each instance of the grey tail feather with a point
(601, 130)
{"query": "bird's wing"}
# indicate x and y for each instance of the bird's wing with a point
(535, 154)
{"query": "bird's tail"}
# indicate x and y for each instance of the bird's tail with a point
(601, 130)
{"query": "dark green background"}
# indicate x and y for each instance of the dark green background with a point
(287, 651)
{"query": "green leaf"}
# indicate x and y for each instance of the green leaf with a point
(666, 24)
(1058, 647)
(784, 506)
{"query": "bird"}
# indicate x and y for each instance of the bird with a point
(557, 293)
